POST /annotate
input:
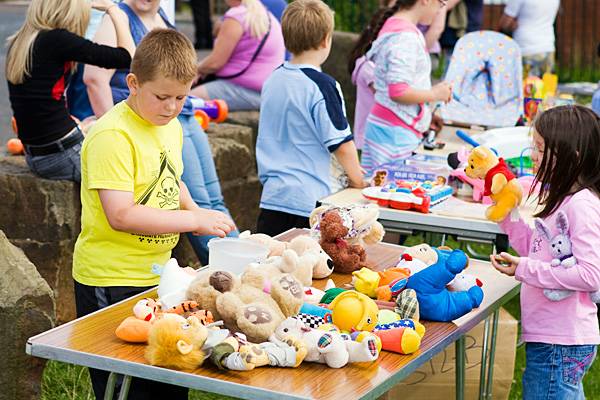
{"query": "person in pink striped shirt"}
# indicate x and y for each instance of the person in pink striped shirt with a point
(559, 261)
(402, 83)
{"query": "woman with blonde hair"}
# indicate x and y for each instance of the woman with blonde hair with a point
(40, 60)
(248, 47)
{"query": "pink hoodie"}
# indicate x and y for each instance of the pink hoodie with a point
(571, 321)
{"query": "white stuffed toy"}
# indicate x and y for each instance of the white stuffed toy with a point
(174, 282)
(300, 268)
(323, 266)
(327, 347)
(463, 282)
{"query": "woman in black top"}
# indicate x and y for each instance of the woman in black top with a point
(39, 64)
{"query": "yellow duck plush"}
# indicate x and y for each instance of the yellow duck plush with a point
(500, 183)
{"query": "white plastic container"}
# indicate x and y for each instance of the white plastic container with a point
(234, 254)
(508, 142)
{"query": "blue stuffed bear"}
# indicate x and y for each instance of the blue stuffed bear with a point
(436, 303)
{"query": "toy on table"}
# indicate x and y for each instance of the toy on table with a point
(206, 111)
(174, 282)
(301, 245)
(418, 167)
(346, 257)
(436, 302)
(328, 346)
(359, 219)
(463, 282)
(409, 195)
(354, 311)
(184, 344)
(382, 285)
(500, 183)
(242, 303)
(136, 329)
(562, 254)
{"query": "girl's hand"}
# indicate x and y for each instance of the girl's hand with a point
(505, 263)
(102, 5)
(442, 92)
(212, 222)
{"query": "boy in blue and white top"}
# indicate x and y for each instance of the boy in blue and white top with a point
(302, 122)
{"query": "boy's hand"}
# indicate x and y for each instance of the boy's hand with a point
(442, 92)
(212, 222)
(505, 263)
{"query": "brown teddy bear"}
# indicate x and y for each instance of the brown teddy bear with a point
(243, 305)
(346, 257)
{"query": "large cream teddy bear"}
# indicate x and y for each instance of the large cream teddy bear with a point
(243, 305)
(327, 347)
(361, 221)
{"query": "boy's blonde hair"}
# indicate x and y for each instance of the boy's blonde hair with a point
(306, 24)
(42, 15)
(167, 53)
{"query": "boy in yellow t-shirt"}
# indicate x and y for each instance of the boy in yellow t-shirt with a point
(134, 203)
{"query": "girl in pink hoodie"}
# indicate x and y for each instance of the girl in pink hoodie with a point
(559, 263)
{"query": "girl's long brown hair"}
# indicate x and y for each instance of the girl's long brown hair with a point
(369, 34)
(571, 159)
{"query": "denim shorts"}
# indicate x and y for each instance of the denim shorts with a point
(237, 97)
(63, 165)
(556, 371)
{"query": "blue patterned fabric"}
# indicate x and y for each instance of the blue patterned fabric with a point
(486, 75)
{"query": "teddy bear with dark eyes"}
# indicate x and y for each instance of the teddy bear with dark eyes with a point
(346, 257)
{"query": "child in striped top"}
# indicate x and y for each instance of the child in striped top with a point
(402, 84)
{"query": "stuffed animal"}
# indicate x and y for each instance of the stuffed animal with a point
(276, 247)
(361, 221)
(304, 244)
(288, 263)
(463, 282)
(184, 344)
(243, 305)
(436, 302)
(500, 183)
(174, 282)
(373, 285)
(353, 311)
(346, 257)
(322, 267)
(327, 347)
(146, 311)
(561, 250)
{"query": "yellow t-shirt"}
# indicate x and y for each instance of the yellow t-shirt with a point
(125, 152)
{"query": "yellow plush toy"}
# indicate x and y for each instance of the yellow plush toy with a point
(354, 311)
(500, 183)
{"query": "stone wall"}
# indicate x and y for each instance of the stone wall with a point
(26, 309)
(42, 217)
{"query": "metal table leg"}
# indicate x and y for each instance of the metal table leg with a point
(110, 386)
(484, 351)
(460, 368)
(125, 388)
(490, 377)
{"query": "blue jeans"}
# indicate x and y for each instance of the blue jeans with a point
(63, 165)
(200, 177)
(555, 371)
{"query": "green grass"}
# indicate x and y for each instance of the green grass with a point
(69, 382)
